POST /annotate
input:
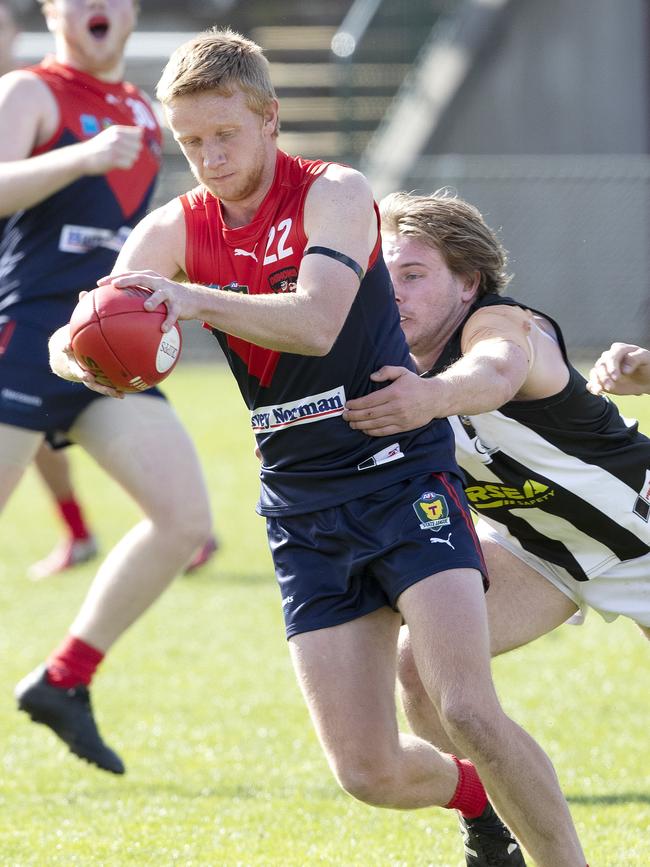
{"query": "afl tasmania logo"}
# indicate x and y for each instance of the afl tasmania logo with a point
(432, 511)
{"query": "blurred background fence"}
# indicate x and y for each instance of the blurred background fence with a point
(538, 112)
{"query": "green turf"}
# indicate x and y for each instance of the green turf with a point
(199, 698)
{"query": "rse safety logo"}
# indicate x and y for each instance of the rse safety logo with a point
(432, 511)
(493, 496)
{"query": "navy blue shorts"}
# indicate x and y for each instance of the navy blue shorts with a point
(31, 396)
(341, 563)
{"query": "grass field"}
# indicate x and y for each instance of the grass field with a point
(199, 699)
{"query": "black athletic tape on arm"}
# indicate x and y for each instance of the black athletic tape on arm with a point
(340, 257)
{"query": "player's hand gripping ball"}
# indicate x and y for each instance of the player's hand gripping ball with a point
(119, 342)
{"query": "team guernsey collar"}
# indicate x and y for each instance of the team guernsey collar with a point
(69, 73)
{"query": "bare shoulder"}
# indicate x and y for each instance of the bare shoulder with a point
(339, 206)
(22, 86)
(344, 183)
(168, 220)
(169, 215)
(29, 109)
(497, 322)
(157, 242)
(506, 315)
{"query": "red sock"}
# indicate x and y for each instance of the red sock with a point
(469, 798)
(72, 663)
(70, 511)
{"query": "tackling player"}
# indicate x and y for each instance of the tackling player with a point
(558, 479)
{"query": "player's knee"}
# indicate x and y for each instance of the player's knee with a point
(368, 780)
(187, 522)
(472, 723)
(192, 530)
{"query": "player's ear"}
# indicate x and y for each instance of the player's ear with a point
(471, 283)
(270, 117)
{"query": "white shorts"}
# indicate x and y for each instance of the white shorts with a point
(622, 589)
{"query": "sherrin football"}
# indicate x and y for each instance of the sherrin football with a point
(119, 342)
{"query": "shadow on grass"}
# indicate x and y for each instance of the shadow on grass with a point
(611, 800)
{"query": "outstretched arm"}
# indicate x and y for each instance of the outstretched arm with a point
(622, 369)
(493, 369)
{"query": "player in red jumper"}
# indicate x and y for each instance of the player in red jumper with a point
(286, 267)
(53, 467)
(76, 174)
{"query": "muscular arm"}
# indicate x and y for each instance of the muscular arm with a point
(339, 214)
(494, 369)
(29, 110)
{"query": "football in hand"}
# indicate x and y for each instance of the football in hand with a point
(119, 342)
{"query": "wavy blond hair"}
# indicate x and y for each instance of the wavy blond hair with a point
(455, 228)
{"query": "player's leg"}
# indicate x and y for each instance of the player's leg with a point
(343, 636)
(17, 449)
(335, 568)
(521, 606)
(447, 620)
(79, 546)
(347, 676)
(141, 443)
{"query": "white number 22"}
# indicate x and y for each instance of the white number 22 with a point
(282, 232)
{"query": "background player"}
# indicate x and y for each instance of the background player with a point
(624, 368)
(53, 467)
(558, 479)
(305, 310)
(8, 34)
(75, 175)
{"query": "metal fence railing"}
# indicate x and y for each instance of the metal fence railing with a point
(577, 229)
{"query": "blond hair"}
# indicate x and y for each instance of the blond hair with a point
(221, 61)
(455, 229)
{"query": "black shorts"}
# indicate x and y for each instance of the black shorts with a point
(346, 561)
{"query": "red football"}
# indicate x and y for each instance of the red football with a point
(119, 342)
